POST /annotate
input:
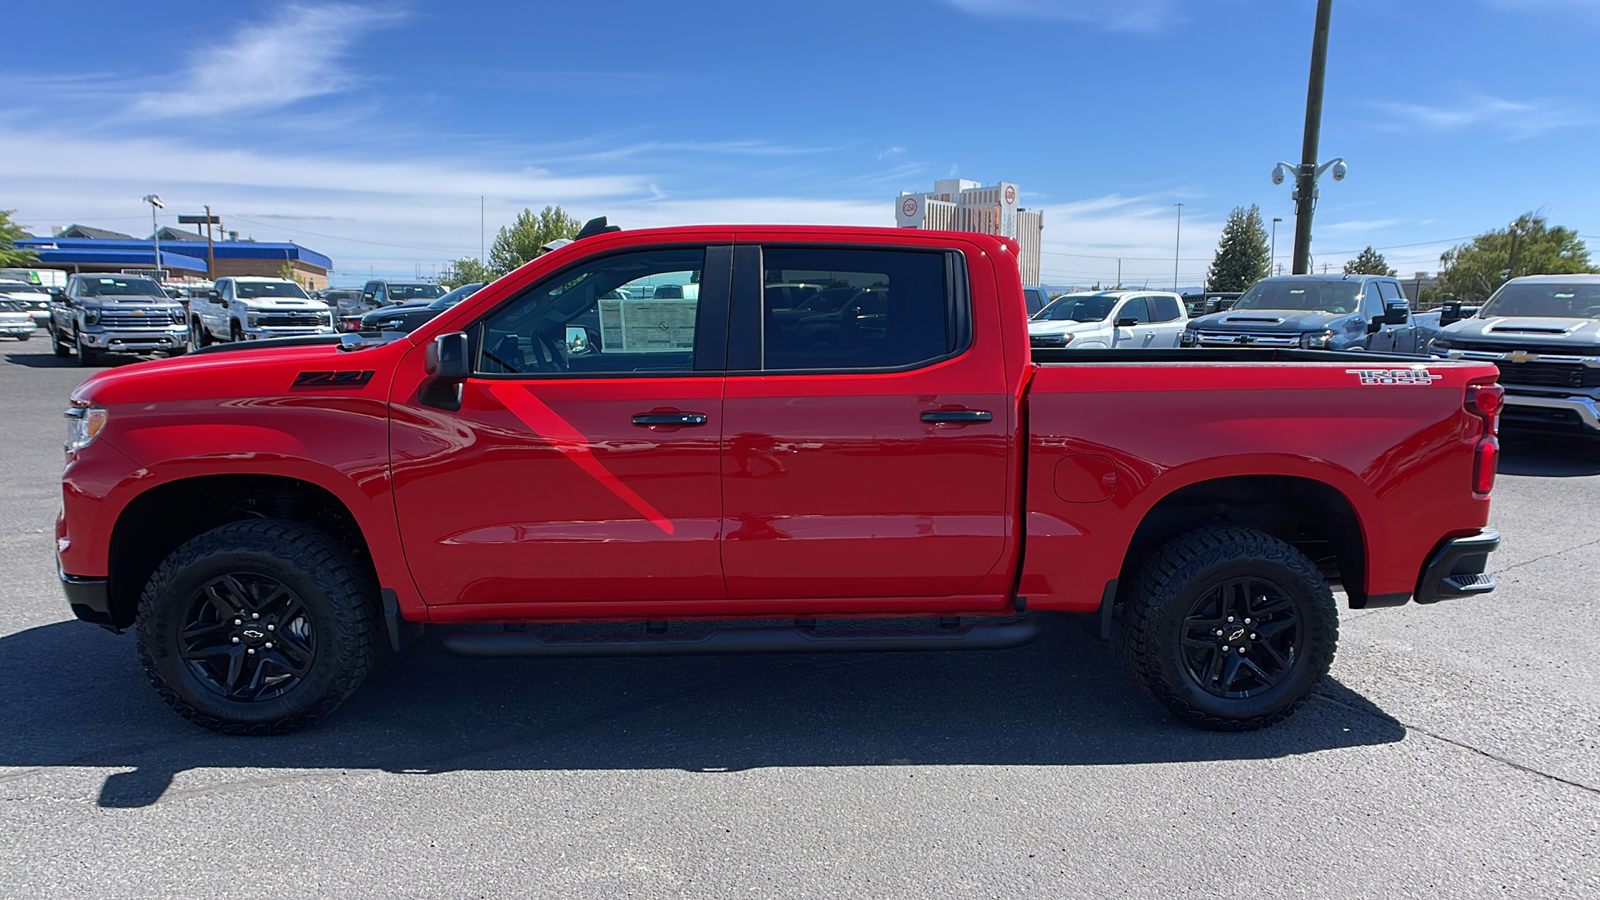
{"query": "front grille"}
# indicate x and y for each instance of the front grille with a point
(1543, 374)
(289, 320)
(1248, 339)
(1544, 349)
(136, 320)
(1047, 340)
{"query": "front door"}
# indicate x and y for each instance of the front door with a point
(866, 434)
(583, 463)
(1132, 337)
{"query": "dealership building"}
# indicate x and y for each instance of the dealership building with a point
(185, 255)
(960, 205)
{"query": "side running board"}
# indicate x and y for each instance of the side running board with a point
(781, 639)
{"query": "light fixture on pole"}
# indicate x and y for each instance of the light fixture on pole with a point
(1272, 252)
(1177, 246)
(155, 232)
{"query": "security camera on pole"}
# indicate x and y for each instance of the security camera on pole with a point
(1308, 172)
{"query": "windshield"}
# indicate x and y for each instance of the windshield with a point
(1321, 296)
(400, 293)
(1082, 308)
(455, 296)
(1545, 298)
(272, 289)
(119, 287)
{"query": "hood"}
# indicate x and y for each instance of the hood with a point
(1525, 330)
(1287, 321)
(1065, 326)
(282, 303)
(132, 304)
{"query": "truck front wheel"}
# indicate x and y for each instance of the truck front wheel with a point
(1230, 628)
(257, 627)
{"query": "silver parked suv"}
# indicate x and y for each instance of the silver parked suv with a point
(96, 314)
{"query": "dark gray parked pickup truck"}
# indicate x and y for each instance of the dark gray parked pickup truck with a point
(1315, 312)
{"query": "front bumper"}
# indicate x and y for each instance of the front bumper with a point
(1457, 567)
(262, 333)
(135, 341)
(1551, 412)
(90, 599)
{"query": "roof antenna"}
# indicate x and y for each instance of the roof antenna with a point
(596, 226)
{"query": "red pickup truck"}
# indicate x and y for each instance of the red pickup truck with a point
(779, 439)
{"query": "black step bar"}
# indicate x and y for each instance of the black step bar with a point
(797, 639)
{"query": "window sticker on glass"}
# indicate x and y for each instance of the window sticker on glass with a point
(647, 326)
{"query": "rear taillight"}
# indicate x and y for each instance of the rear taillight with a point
(1485, 401)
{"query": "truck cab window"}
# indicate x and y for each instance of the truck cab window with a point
(835, 308)
(628, 313)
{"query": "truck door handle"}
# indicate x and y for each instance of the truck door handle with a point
(961, 416)
(645, 420)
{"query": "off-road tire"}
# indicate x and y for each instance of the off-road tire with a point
(340, 601)
(198, 336)
(24, 335)
(1181, 574)
(56, 347)
(86, 357)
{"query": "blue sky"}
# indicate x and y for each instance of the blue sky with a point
(369, 131)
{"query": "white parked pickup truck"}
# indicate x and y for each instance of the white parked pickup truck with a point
(1110, 320)
(242, 309)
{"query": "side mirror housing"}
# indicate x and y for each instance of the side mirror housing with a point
(445, 361)
(1127, 322)
(1396, 313)
(1450, 313)
(214, 295)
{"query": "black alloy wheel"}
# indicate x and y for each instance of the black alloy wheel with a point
(1241, 637)
(247, 637)
(1230, 628)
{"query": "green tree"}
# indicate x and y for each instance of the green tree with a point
(1528, 246)
(1369, 262)
(466, 270)
(1242, 254)
(522, 241)
(288, 273)
(10, 254)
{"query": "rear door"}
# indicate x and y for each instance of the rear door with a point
(866, 441)
(583, 464)
(1166, 320)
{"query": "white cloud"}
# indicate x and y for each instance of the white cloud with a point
(1513, 119)
(1112, 15)
(296, 55)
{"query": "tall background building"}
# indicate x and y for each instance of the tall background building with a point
(956, 204)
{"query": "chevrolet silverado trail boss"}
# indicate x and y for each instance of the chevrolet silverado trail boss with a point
(588, 457)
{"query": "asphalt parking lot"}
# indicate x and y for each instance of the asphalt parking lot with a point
(1456, 753)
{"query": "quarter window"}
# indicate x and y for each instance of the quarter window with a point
(628, 313)
(836, 308)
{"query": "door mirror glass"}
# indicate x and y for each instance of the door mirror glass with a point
(577, 340)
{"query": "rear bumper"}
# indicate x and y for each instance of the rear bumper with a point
(1457, 568)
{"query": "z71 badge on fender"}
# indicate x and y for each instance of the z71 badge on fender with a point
(333, 379)
(1416, 375)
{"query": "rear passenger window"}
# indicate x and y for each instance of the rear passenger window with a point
(827, 308)
(1163, 308)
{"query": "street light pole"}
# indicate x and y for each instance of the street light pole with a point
(1177, 246)
(1306, 177)
(155, 232)
(1272, 253)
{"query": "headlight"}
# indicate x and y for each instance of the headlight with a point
(91, 316)
(255, 320)
(1441, 344)
(84, 424)
(1316, 340)
(178, 317)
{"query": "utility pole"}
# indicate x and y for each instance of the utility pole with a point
(211, 249)
(1177, 248)
(1306, 177)
(1119, 273)
(482, 230)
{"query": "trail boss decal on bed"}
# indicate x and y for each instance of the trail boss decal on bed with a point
(333, 379)
(1417, 375)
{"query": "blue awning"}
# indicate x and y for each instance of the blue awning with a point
(190, 249)
(145, 259)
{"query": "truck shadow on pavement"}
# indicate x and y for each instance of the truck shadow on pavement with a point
(1549, 456)
(74, 696)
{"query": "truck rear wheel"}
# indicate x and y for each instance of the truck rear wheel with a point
(1230, 628)
(257, 627)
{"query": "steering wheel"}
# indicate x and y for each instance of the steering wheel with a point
(546, 352)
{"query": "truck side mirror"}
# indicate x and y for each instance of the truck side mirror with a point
(445, 361)
(1127, 322)
(1396, 313)
(214, 295)
(1376, 325)
(1450, 312)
